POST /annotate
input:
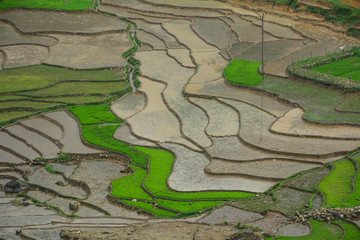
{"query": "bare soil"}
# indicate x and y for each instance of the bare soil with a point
(87, 52)
(188, 174)
(9, 36)
(128, 105)
(123, 134)
(293, 124)
(24, 55)
(49, 21)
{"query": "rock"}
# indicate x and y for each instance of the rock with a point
(74, 206)
(14, 186)
(60, 183)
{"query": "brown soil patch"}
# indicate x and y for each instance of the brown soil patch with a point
(211, 65)
(151, 40)
(176, 77)
(128, 105)
(272, 50)
(278, 30)
(49, 180)
(24, 55)
(294, 230)
(126, 13)
(247, 31)
(44, 126)
(188, 174)
(215, 32)
(98, 175)
(71, 139)
(272, 168)
(158, 31)
(123, 134)
(86, 52)
(17, 146)
(9, 36)
(292, 124)
(155, 121)
(231, 215)
(47, 148)
(271, 223)
(290, 200)
(223, 121)
(183, 32)
(140, 5)
(254, 130)
(6, 157)
(237, 48)
(50, 21)
(182, 56)
(164, 231)
(220, 89)
(309, 180)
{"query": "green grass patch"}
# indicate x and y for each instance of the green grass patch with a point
(346, 68)
(94, 114)
(77, 99)
(161, 166)
(9, 115)
(12, 97)
(352, 232)
(28, 104)
(49, 168)
(130, 185)
(39, 76)
(46, 4)
(338, 184)
(70, 88)
(352, 199)
(188, 206)
(243, 72)
(351, 104)
(319, 102)
(150, 208)
(102, 135)
(320, 231)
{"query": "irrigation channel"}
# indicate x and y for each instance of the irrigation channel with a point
(131, 65)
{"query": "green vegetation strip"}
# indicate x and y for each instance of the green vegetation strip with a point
(337, 186)
(130, 185)
(94, 114)
(161, 165)
(243, 72)
(352, 232)
(352, 200)
(102, 135)
(346, 68)
(320, 231)
(46, 4)
(39, 76)
(151, 208)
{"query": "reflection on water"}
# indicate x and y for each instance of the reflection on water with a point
(354, 3)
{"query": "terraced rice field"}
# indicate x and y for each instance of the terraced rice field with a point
(122, 115)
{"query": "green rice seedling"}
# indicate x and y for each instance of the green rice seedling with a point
(149, 207)
(319, 230)
(337, 186)
(130, 185)
(94, 114)
(243, 72)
